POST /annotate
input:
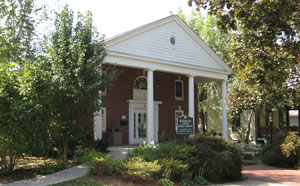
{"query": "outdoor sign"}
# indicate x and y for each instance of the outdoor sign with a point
(185, 125)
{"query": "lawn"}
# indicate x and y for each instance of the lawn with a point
(105, 181)
(27, 167)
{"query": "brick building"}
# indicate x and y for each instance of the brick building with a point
(160, 65)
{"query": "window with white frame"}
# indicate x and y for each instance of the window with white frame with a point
(178, 113)
(103, 118)
(179, 89)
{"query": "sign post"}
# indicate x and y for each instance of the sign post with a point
(185, 126)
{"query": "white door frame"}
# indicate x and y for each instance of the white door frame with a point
(141, 105)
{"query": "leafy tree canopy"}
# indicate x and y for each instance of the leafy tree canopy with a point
(265, 49)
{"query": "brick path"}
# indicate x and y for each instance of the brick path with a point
(272, 174)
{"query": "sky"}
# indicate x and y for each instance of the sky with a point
(113, 17)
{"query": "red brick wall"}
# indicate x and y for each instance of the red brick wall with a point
(164, 90)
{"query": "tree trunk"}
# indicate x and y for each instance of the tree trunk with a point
(249, 127)
(65, 151)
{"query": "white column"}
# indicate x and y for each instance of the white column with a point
(150, 108)
(224, 111)
(191, 99)
(97, 123)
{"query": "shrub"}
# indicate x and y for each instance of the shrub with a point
(291, 146)
(100, 145)
(218, 159)
(138, 168)
(165, 182)
(272, 153)
(49, 168)
(106, 165)
(173, 169)
(207, 156)
(145, 152)
(86, 155)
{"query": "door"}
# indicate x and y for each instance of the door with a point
(139, 126)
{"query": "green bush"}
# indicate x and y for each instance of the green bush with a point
(272, 154)
(106, 165)
(86, 155)
(216, 159)
(145, 152)
(165, 182)
(207, 156)
(173, 169)
(291, 146)
(100, 145)
(49, 168)
(138, 168)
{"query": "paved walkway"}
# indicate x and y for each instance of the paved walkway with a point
(58, 177)
(120, 152)
(272, 174)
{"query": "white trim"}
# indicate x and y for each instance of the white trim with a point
(141, 105)
(150, 108)
(103, 118)
(191, 100)
(119, 38)
(144, 63)
(224, 111)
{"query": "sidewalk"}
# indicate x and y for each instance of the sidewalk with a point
(58, 177)
(272, 174)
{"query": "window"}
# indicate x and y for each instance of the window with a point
(178, 113)
(140, 83)
(172, 40)
(178, 89)
(103, 118)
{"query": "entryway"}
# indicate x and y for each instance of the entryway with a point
(138, 121)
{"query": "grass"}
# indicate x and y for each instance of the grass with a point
(106, 181)
(27, 167)
(85, 181)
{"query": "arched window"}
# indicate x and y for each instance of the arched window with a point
(140, 83)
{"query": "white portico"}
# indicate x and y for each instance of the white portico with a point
(167, 45)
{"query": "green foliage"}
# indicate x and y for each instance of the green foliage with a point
(186, 183)
(100, 145)
(75, 56)
(205, 156)
(138, 168)
(264, 50)
(217, 159)
(144, 151)
(165, 182)
(49, 168)
(200, 180)
(273, 154)
(86, 155)
(173, 169)
(100, 163)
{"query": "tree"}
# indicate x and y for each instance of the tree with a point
(265, 49)
(24, 107)
(75, 57)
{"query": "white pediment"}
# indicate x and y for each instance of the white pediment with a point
(152, 41)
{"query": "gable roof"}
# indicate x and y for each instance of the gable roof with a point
(113, 41)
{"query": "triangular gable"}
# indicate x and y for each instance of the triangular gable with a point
(152, 41)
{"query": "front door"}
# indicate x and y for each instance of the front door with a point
(139, 126)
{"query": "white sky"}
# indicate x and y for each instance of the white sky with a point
(112, 17)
